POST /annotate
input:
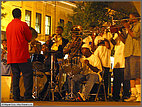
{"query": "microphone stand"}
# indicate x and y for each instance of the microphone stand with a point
(71, 76)
(52, 70)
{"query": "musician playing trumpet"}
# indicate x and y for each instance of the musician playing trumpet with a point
(132, 53)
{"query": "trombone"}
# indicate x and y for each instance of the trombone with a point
(126, 19)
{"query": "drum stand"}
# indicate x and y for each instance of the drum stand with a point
(71, 94)
(52, 85)
(36, 85)
(71, 76)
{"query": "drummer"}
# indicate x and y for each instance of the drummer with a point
(35, 47)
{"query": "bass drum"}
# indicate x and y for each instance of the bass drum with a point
(38, 82)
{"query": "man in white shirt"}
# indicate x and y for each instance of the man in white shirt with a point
(90, 75)
(118, 70)
(104, 52)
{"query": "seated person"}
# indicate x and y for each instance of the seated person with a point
(91, 74)
(5, 68)
(35, 47)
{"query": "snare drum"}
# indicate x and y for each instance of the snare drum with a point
(71, 70)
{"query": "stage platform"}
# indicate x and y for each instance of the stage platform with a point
(63, 103)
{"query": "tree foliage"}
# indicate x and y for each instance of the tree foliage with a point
(92, 13)
(67, 29)
(2, 14)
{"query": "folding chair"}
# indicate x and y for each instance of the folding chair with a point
(100, 83)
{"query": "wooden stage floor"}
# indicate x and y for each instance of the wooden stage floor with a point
(63, 103)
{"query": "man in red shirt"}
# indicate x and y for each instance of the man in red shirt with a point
(18, 34)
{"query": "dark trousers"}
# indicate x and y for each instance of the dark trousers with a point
(107, 79)
(118, 74)
(26, 69)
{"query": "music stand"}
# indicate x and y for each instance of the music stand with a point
(71, 76)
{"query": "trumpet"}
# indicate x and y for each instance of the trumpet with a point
(115, 29)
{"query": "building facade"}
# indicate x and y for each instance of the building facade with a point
(44, 16)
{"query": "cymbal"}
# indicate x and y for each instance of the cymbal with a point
(71, 56)
(77, 55)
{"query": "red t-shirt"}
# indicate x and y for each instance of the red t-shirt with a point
(18, 34)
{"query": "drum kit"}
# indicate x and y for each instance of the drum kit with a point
(46, 84)
(41, 79)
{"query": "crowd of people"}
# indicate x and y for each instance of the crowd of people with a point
(93, 54)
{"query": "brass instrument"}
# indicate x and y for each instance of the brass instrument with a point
(127, 19)
(77, 42)
(115, 29)
(119, 23)
(76, 32)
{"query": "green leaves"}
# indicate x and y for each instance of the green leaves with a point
(92, 14)
(88, 13)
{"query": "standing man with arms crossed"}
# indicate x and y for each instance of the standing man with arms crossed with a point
(18, 34)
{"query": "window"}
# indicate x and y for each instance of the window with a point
(47, 25)
(28, 17)
(38, 23)
(62, 22)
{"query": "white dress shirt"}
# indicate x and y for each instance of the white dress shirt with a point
(119, 59)
(104, 54)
